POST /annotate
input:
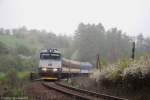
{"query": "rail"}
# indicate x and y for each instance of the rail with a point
(78, 94)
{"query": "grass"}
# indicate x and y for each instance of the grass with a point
(2, 76)
(23, 75)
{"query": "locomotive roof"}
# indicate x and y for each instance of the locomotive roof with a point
(50, 51)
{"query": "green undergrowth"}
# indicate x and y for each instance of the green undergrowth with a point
(2, 76)
(21, 75)
(13, 83)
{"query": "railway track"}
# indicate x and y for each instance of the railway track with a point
(78, 94)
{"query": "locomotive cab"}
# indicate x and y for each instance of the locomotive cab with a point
(50, 65)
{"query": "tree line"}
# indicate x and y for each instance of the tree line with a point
(111, 44)
(19, 48)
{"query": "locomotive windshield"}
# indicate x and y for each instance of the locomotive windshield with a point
(55, 56)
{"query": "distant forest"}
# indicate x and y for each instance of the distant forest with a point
(19, 48)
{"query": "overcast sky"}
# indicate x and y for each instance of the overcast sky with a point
(63, 16)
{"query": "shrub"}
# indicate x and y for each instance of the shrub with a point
(12, 80)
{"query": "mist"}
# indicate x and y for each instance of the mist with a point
(63, 17)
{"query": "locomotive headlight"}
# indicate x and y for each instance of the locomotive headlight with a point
(55, 69)
(44, 69)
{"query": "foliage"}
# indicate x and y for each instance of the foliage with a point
(111, 44)
(130, 74)
(20, 49)
(2, 76)
(138, 72)
(9, 62)
(12, 79)
(3, 48)
(14, 83)
(128, 78)
(24, 50)
(89, 40)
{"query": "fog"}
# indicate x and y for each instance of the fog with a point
(63, 16)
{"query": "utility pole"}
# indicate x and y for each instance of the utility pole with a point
(98, 64)
(133, 51)
(69, 73)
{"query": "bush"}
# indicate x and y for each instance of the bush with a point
(14, 83)
(128, 78)
(130, 74)
(2, 76)
(12, 79)
(3, 48)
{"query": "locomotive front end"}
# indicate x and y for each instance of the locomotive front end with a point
(50, 65)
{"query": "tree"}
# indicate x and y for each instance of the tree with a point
(7, 32)
(118, 44)
(89, 41)
(1, 31)
(3, 48)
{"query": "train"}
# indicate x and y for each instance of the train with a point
(53, 66)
